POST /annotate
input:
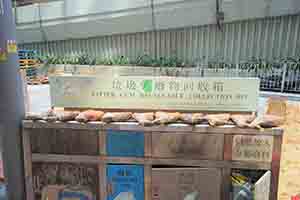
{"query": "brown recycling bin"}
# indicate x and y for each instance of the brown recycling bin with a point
(186, 183)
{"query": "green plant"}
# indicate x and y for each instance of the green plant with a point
(256, 65)
(73, 59)
(252, 65)
(120, 60)
(48, 63)
(51, 59)
(292, 63)
(174, 61)
(99, 61)
(84, 59)
(220, 63)
(144, 60)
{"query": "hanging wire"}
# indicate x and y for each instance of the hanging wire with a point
(154, 28)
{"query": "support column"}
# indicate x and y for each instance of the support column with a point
(11, 105)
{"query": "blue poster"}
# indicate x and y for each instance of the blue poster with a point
(125, 182)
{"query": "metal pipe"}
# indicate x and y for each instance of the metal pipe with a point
(12, 109)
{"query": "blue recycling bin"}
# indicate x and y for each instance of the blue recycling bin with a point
(126, 182)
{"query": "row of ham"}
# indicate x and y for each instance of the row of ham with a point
(152, 118)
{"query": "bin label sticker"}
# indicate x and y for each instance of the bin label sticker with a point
(252, 148)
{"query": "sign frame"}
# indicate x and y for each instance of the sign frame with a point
(155, 93)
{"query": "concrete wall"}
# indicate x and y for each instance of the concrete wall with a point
(69, 19)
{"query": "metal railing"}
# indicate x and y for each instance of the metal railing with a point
(281, 79)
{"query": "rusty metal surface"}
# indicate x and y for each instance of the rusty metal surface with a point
(184, 145)
(63, 141)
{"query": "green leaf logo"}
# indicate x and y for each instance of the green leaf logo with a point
(147, 86)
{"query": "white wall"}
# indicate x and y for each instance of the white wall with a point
(81, 19)
(48, 11)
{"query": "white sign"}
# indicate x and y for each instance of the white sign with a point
(155, 93)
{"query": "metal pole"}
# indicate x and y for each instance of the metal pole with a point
(283, 77)
(237, 69)
(11, 106)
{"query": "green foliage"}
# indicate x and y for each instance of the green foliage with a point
(144, 60)
(292, 63)
(103, 61)
(219, 63)
(257, 64)
(252, 65)
(81, 59)
(48, 63)
(120, 60)
(172, 61)
(51, 60)
(84, 59)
